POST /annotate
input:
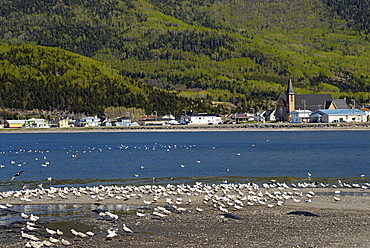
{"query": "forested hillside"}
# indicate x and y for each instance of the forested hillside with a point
(239, 51)
(33, 77)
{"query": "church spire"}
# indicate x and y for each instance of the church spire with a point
(290, 90)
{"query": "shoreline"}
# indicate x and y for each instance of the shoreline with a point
(206, 216)
(363, 126)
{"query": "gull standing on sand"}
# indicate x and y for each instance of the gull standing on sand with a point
(111, 233)
(66, 242)
(126, 229)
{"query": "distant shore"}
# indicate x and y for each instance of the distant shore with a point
(362, 126)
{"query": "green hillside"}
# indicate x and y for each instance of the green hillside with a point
(230, 51)
(34, 77)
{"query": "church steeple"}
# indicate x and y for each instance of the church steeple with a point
(290, 98)
(290, 90)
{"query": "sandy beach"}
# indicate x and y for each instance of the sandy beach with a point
(224, 215)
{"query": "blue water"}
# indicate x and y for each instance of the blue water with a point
(77, 159)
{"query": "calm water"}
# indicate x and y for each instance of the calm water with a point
(181, 157)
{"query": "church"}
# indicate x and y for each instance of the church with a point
(290, 104)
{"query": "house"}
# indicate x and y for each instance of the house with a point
(300, 116)
(88, 122)
(367, 112)
(63, 123)
(123, 122)
(14, 123)
(169, 119)
(150, 120)
(193, 118)
(289, 102)
(37, 123)
(242, 117)
(269, 115)
(338, 115)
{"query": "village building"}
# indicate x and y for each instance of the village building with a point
(14, 123)
(302, 104)
(338, 115)
(151, 120)
(88, 122)
(37, 123)
(367, 112)
(122, 122)
(194, 118)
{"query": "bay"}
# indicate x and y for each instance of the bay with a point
(126, 158)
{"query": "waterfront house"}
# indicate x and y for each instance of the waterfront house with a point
(367, 112)
(37, 123)
(193, 118)
(123, 122)
(338, 115)
(300, 116)
(88, 122)
(150, 120)
(14, 123)
(62, 123)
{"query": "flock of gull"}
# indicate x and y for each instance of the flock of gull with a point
(160, 201)
(30, 160)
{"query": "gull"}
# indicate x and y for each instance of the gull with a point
(111, 233)
(29, 236)
(34, 218)
(182, 166)
(126, 229)
(362, 176)
(66, 242)
(54, 240)
(140, 214)
(17, 175)
(336, 198)
(24, 216)
(78, 234)
(31, 228)
(47, 243)
(59, 232)
(52, 232)
(309, 174)
(90, 233)
(159, 214)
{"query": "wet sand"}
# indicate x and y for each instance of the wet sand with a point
(343, 218)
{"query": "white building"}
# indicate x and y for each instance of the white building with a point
(88, 122)
(338, 115)
(37, 123)
(194, 118)
(299, 116)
